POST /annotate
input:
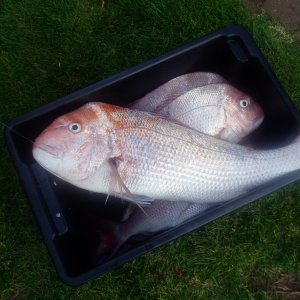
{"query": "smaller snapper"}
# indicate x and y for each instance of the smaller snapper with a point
(213, 107)
(159, 216)
(219, 110)
(174, 88)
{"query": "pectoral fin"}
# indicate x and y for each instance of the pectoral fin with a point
(119, 189)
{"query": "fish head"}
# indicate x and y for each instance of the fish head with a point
(76, 144)
(242, 115)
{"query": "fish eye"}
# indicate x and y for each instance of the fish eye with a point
(75, 127)
(244, 103)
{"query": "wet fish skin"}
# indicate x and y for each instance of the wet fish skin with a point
(219, 110)
(154, 157)
(159, 216)
(155, 100)
(213, 107)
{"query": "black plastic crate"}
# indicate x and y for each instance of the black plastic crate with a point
(63, 212)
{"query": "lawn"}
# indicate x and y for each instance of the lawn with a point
(51, 48)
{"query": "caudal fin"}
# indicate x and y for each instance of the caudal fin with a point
(110, 240)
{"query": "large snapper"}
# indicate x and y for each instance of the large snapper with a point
(205, 102)
(103, 148)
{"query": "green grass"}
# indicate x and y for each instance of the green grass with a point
(51, 48)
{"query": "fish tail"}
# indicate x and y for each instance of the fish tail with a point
(110, 240)
(295, 144)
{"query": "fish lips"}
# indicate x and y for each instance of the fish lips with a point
(49, 149)
(258, 121)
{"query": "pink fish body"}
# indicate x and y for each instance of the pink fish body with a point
(159, 216)
(205, 102)
(149, 156)
(169, 91)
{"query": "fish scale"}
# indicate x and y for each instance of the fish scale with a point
(208, 99)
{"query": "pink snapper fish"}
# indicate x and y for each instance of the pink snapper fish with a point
(159, 216)
(105, 148)
(205, 102)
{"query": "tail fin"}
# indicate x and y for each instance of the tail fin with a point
(110, 240)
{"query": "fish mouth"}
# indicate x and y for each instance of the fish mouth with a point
(258, 121)
(47, 148)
